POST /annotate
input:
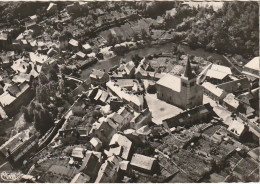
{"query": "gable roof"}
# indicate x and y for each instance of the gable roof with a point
(171, 82)
(213, 89)
(216, 74)
(142, 161)
(232, 86)
(230, 100)
(254, 63)
(188, 114)
(124, 142)
(221, 68)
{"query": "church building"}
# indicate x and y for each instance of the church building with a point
(181, 91)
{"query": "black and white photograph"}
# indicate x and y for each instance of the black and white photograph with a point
(129, 91)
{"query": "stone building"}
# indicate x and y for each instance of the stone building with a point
(180, 91)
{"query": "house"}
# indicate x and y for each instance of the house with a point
(145, 64)
(68, 136)
(141, 119)
(215, 74)
(96, 143)
(236, 86)
(91, 164)
(255, 153)
(135, 101)
(38, 58)
(4, 40)
(99, 95)
(80, 55)
(108, 171)
(77, 153)
(103, 130)
(83, 132)
(117, 119)
(74, 45)
(250, 100)
(252, 68)
(123, 143)
(180, 91)
(12, 104)
(51, 52)
(127, 69)
(17, 147)
(143, 163)
(80, 178)
(237, 128)
(98, 77)
(231, 103)
(52, 8)
(214, 92)
(20, 66)
(188, 117)
(128, 114)
(86, 48)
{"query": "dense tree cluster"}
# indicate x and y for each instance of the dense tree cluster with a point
(233, 29)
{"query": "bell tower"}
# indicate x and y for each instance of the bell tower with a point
(192, 94)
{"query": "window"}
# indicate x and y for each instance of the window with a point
(192, 84)
(184, 84)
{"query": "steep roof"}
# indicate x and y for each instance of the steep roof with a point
(188, 71)
(171, 82)
(124, 142)
(254, 64)
(142, 161)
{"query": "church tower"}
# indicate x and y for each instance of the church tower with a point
(192, 94)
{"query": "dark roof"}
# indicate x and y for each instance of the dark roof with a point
(89, 162)
(13, 90)
(178, 119)
(236, 85)
(188, 71)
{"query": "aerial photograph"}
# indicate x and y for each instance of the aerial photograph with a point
(129, 92)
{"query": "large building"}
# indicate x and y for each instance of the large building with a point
(180, 91)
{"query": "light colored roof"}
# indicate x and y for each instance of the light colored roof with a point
(230, 99)
(6, 99)
(142, 161)
(36, 57)
(236, 127)
(95, 142)
(50, 6)
(254, 64)
(20, 66)
(221, 68)
(33, 17)
(3, 36)
(74, 42)
(77, 152)
(124, 142)
(97, 74)
(171, 82)
(80, 178)
(213, 89)
(216, 74)
(80, 54)
(86, 46)
(20, 78)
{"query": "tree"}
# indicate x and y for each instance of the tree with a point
(210, 59)
(53, 75)
(27, 116)
(43, 79)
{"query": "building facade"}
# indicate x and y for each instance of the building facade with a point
(180, 91)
